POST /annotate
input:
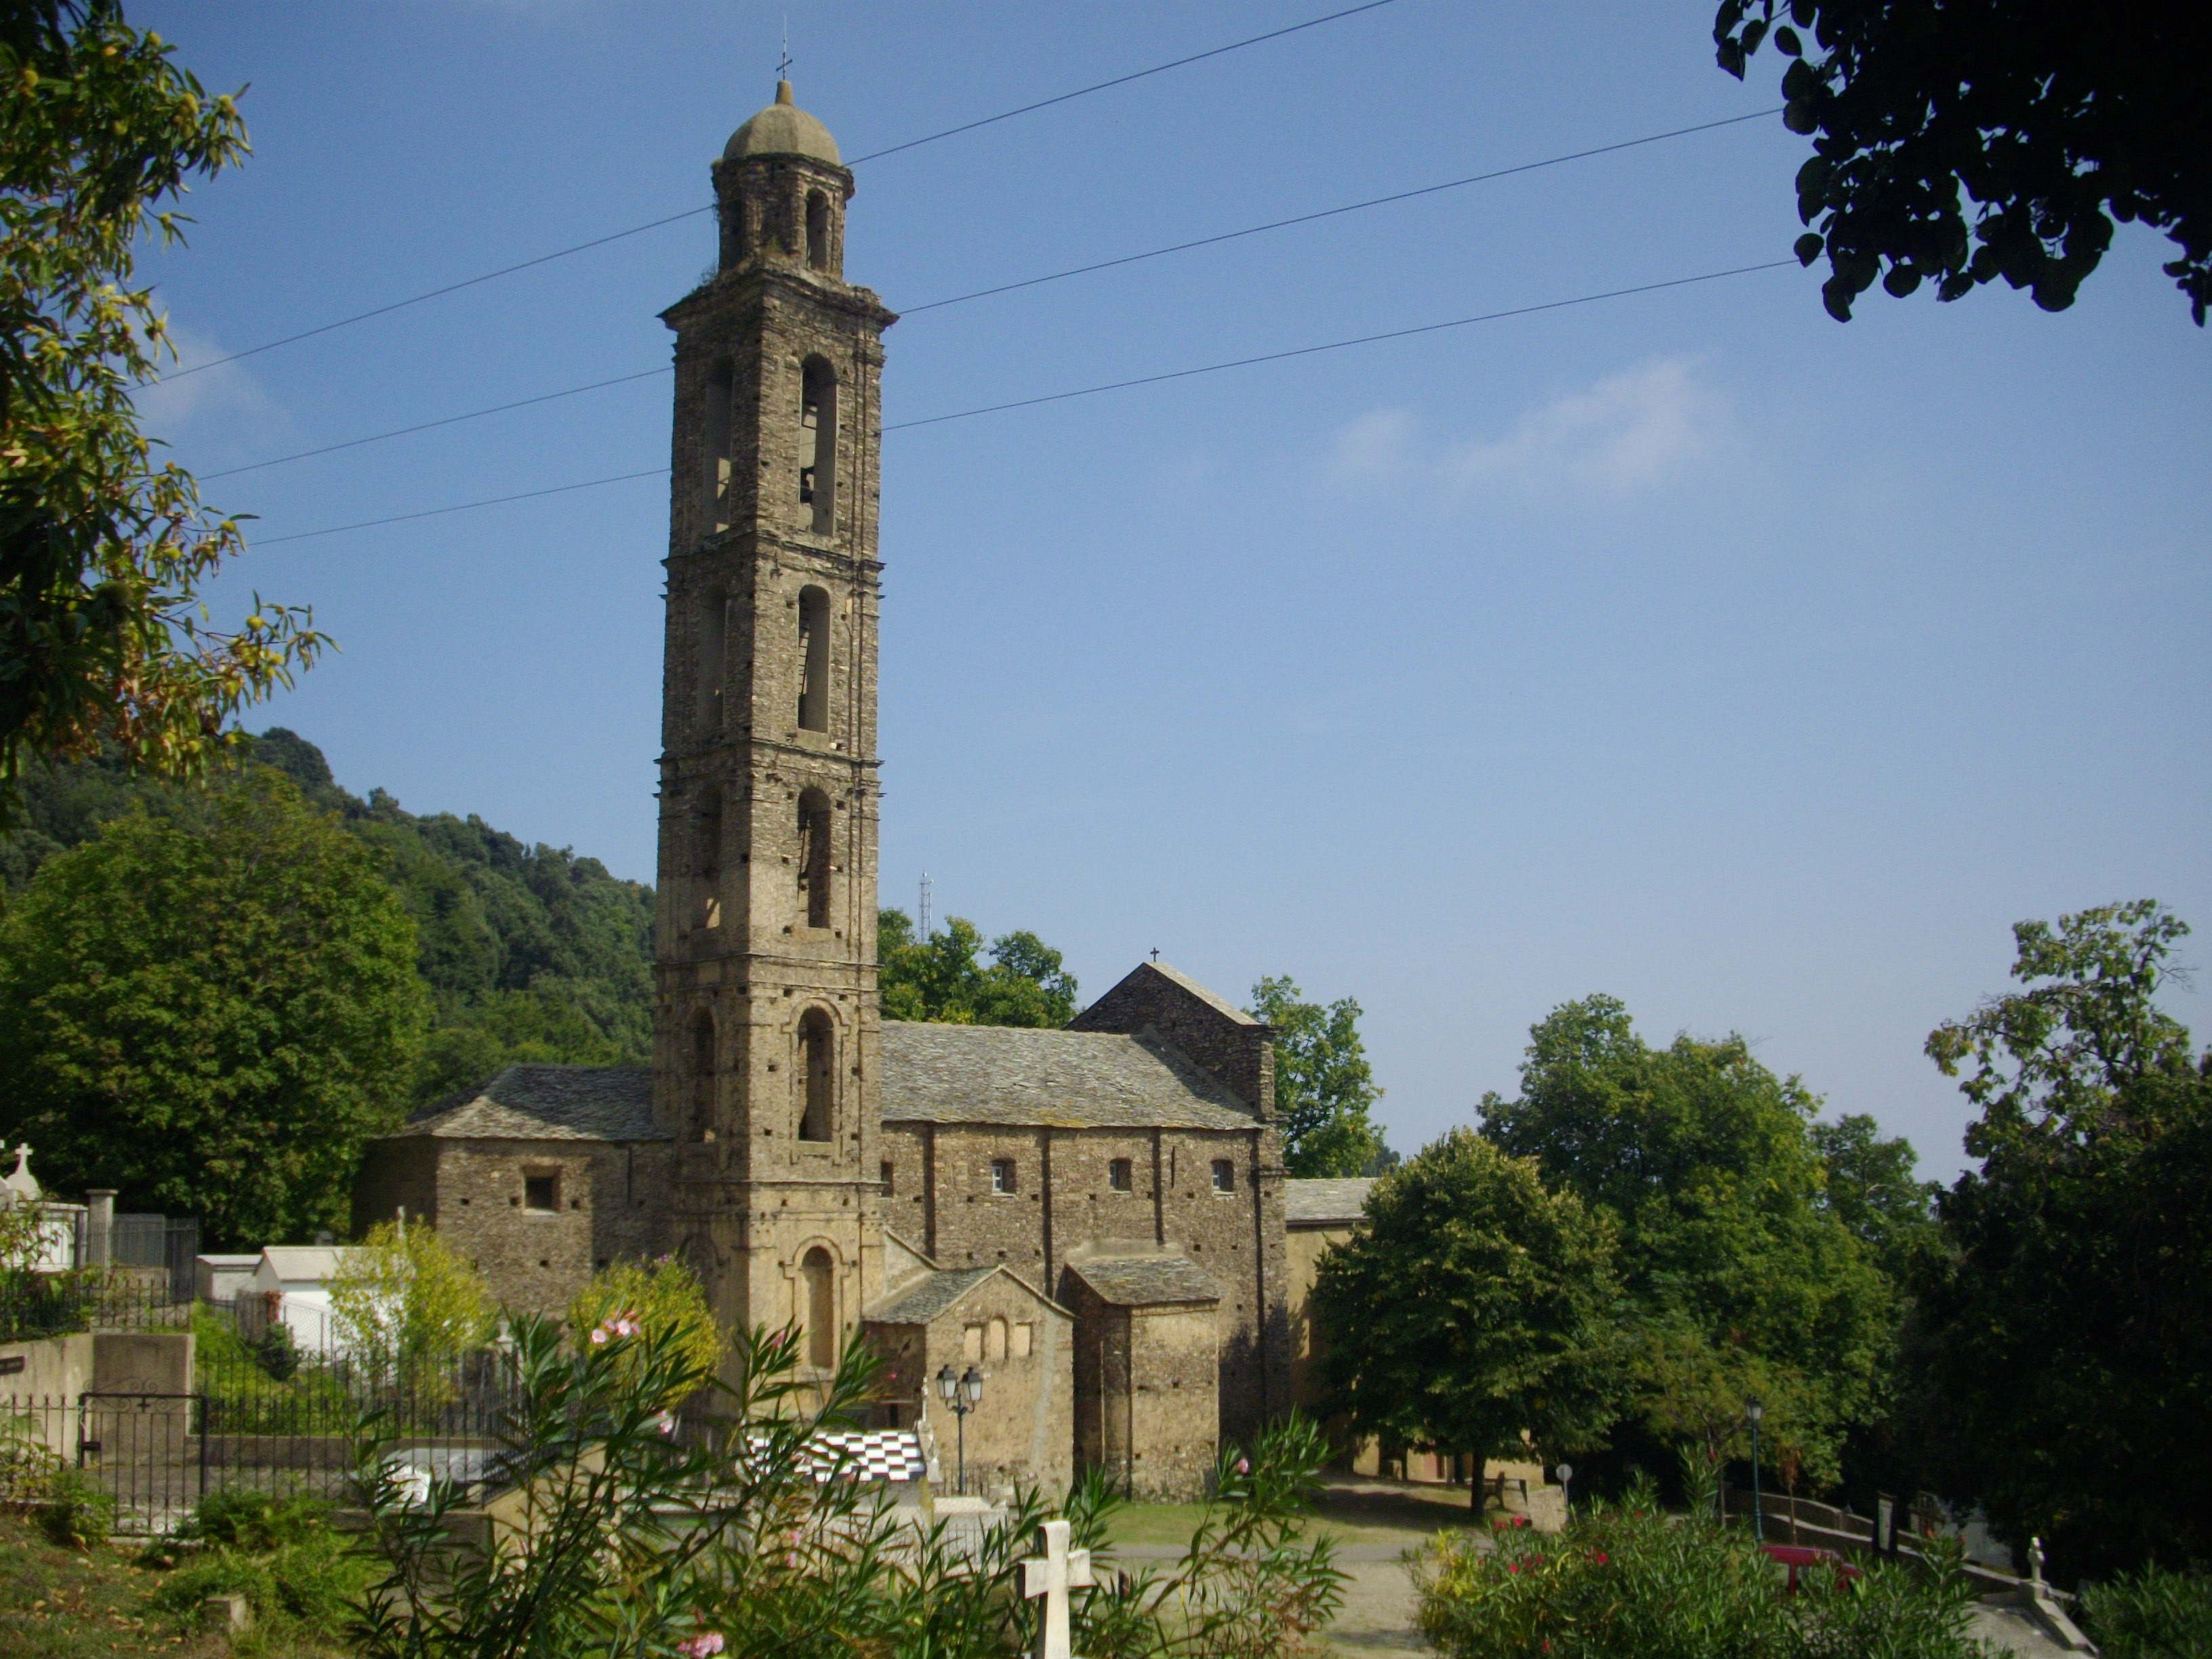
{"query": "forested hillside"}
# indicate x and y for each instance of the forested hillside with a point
(531, 953)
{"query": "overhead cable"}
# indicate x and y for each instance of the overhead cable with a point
(461, 507)
(1331, 213)
(1092, 390)
(426, 426)
(1079, 270)
(693, 212)
(1340, 345)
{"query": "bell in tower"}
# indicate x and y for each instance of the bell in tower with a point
(766, 1012)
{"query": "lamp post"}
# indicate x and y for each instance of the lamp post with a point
(1566, 1473)
(961, 1395)
(1752, 1411)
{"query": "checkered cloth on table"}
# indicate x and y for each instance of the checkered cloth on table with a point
(866, 1454)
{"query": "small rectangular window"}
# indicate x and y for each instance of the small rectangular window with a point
(884, 1175)
(1224, 1176)
(541, 1192)
(1002, 1175)
(1117, 1175)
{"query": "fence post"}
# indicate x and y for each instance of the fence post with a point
(100, 1225)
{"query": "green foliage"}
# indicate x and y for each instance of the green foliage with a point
(404, 1301)
(297, 1574)
(1632, 1583)
(939, 978)
(1323, 1084)
(77, 1514)
(102, 554)
(2053, 121)
(1873, 1187)
(2070, 1339)
(529, 954)
(1474, 1306)
(663, 1295)
(2153, 1613)
(1741, 1277)
(211, 1018)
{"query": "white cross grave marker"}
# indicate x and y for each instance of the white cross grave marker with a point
(1059, 1570)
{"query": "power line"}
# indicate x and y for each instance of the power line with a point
(692, 213)
(461, 507)
(1124, 79)
(1340, 345)
(426, 426)
(1079, 270)
(1331, 213)
(1083, 391)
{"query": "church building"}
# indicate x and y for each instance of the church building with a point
(1094, 1218)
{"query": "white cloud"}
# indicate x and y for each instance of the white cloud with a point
(219, 411)
(1633, 431)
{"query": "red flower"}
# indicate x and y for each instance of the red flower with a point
(1598, 1556)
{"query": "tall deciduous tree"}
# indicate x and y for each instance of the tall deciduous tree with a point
(1474, 1306)
(2066, 1373)
(1742, 1279)
(102, 552)
(1323, 1084)
(941, 977)
(2055, 119)
(211, 1017)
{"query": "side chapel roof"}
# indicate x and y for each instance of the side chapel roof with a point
(1312, 1202)
(547, 1103)
(1016, 1075)
(1146, 1281)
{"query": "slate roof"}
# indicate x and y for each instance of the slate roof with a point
(1212, 1000)
(930, 1295)
(1325, 1203)
(547, 1103)
(1146, 1281)
(1013, 1075)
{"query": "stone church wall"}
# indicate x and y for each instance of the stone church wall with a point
(607, 1203)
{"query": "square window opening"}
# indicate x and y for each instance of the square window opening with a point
(1002, 1175)
(1118, 1176)
(541, 1192)
(1224, 1176)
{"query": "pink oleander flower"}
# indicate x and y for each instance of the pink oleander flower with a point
(598, 1336)
(1243, 1466)
(665, 1423)
(699, 1646)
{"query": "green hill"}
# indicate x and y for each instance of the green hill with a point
(531, 953)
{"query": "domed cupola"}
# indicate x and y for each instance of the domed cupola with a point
(782, 189)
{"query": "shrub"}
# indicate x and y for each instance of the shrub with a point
(1632, 1583)
(77, 1514)
(281, 1553)
(653, 1296)
(2154, 1614)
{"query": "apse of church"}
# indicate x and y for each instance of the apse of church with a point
(766, 1032)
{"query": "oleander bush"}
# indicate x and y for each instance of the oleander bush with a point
(1628, 1581)
(2152, 1613)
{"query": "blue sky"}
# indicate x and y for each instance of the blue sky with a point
(1759, 670)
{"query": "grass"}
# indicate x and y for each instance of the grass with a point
(1345, 1515)
(71, 1604)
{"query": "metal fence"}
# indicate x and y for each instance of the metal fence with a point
(36, 1305)
(269, 1420)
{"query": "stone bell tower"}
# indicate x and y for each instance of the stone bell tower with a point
(766, 1021)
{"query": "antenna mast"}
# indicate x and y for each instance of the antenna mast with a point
(925, 907)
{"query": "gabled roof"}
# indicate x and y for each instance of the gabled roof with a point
(1214, 1000)
(1146, 1281)
(1014, 1075)
(313, 1263)
(938, 1293)
(547, 1103)
(1314, 1203)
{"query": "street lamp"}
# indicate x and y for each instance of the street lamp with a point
(1566, 1473)
(961, 1395)
(1752, 1411)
